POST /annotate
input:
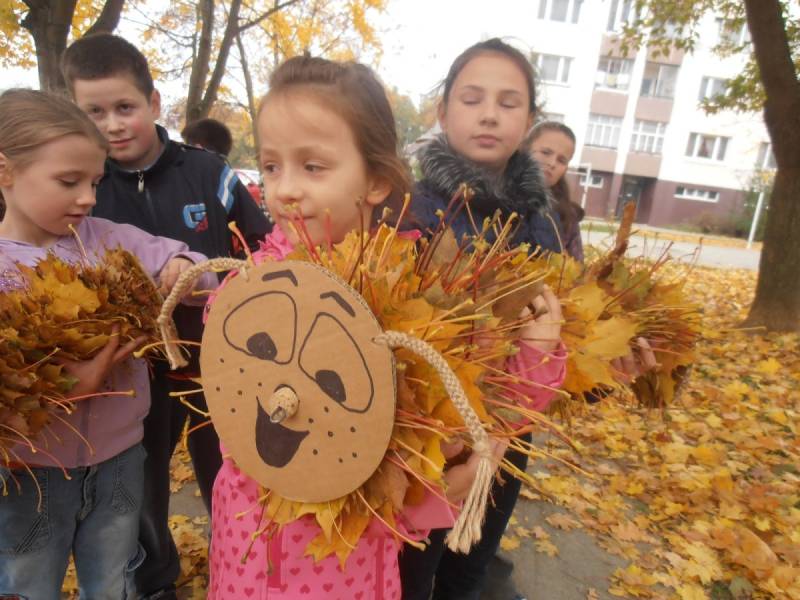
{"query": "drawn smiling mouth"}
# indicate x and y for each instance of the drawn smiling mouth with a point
(276, 444)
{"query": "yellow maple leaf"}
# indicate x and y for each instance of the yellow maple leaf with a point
(546, 547)
(691, 591)
(769, 367)
(611, 338)
(508, 543)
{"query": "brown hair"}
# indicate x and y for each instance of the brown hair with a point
(104, 55)
(569, 212)
(498, 46)
(209, 134)
(29, 119)
(354, 92)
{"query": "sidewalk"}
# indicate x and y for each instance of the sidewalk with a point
(580, 570)
(710, 255)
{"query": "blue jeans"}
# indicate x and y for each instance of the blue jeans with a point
(94, 515)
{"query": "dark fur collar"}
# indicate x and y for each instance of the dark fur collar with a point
(520, 189)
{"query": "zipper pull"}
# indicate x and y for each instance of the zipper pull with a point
(141, 181)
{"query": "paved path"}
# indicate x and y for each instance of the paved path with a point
(580, 566)
(710, 256)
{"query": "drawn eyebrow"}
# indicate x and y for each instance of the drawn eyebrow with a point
(340, 301)
(280, 274)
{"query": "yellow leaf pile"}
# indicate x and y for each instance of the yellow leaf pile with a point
(706, 502)
(57, 310)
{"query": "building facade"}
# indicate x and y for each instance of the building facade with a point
(642, 135)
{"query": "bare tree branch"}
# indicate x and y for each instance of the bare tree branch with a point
(201, 109)
(109, 17)
(276, 8)
(197, 80)
(251, 99)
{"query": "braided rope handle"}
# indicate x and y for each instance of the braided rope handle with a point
(467, 529)
(185, 283)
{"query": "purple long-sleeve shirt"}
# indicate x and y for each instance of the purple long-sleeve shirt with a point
(110, 424)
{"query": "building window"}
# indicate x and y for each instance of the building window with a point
(560, 10)
(766, 159)
(687, 193)
(710, 87)
(622, 13)
(613, 73)
(603, 131)
(659, 80)
(648, 137)
(731, 35)
(707, 146)
(595, 182)
(552, 68)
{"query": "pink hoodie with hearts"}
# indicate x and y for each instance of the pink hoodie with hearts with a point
(276, 568)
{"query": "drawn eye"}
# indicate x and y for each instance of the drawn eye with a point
(330, 383)
(250, 327)
(333, 360)
(261, 345)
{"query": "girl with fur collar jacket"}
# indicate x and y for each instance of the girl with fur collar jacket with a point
(518, 189)
(488, 106)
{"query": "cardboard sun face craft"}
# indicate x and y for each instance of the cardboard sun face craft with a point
(301, 394)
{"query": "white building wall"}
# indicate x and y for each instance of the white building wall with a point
(582, 42)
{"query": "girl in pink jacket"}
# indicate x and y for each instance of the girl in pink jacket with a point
(328, 136)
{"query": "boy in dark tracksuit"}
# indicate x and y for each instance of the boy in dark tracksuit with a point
(171, 190)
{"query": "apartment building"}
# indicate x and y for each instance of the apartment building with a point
(642, 135)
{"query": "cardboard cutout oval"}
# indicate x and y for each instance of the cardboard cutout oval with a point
(294, 329)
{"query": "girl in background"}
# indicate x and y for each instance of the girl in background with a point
(552, 145)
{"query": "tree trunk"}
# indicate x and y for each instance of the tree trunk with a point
(201, 109)
(777, 301)
(251, 98)
(200, 61)
(49, 22)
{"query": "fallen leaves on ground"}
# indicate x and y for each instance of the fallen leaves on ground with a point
(703, 499)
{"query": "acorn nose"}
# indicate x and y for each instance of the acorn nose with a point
(282, 404)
